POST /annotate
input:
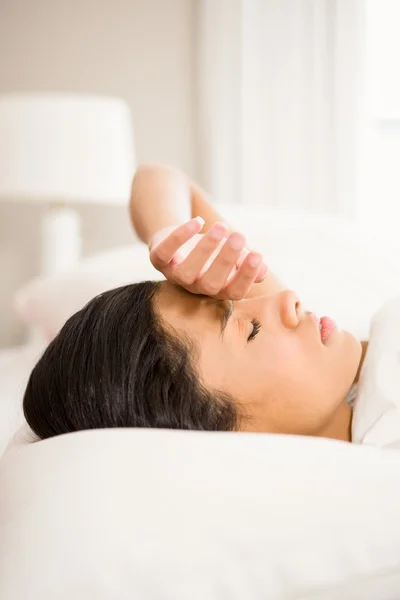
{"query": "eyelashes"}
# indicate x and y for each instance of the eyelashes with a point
(256, 328)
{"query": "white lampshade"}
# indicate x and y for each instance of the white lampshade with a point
(65, 148)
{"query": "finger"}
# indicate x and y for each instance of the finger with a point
(262, 272)
(216, 276)
(241, 283)
(191, 268)
(242, 257)
(162, 254)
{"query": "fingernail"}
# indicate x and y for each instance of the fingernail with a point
(262, 271)
(255, 260)
(194, 223)
(217, 231)
(236, 241)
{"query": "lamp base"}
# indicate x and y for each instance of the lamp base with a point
(61, 240)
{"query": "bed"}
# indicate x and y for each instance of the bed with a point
(159, 514)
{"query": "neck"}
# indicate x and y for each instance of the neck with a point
(339, 427)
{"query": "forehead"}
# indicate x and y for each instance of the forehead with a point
(181, 309)
(171, 295)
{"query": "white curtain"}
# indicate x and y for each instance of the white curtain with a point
(279, 90)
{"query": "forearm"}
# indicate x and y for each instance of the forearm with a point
(160, 197)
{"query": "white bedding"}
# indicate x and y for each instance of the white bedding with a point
(15, 367)
(338, 539)
(376, 419)
(252, 516)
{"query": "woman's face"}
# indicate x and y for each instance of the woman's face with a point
(284, 378)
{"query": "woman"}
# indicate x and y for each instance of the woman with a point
(219, 346)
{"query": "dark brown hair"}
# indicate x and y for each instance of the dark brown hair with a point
(113, 364)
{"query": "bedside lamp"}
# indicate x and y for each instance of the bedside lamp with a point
(61, 150)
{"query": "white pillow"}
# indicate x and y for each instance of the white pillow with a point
(47, 302)
(16, 365)
(338, 268)
(170, 514)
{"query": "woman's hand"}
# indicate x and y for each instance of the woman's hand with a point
(211, 264)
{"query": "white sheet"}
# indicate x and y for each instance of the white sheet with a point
(376, 419)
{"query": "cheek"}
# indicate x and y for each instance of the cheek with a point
(291, 384)
(288, 368)
(263, 369)
(240, 371)
(281, 355)
(221, 368)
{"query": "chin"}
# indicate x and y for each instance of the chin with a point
(344, 338)
(352, 351)
(353, 342)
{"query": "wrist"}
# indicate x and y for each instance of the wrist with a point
(146, 231)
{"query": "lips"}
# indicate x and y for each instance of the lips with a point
(327, 325)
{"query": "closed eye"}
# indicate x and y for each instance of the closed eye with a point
(256, 328)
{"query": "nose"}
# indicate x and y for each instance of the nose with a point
(286, 305)
(290, 308)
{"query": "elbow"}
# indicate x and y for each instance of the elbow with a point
(151, 170)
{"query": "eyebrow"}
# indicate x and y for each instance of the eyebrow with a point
(227, 312)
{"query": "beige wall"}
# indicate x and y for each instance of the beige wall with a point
(141, 50)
